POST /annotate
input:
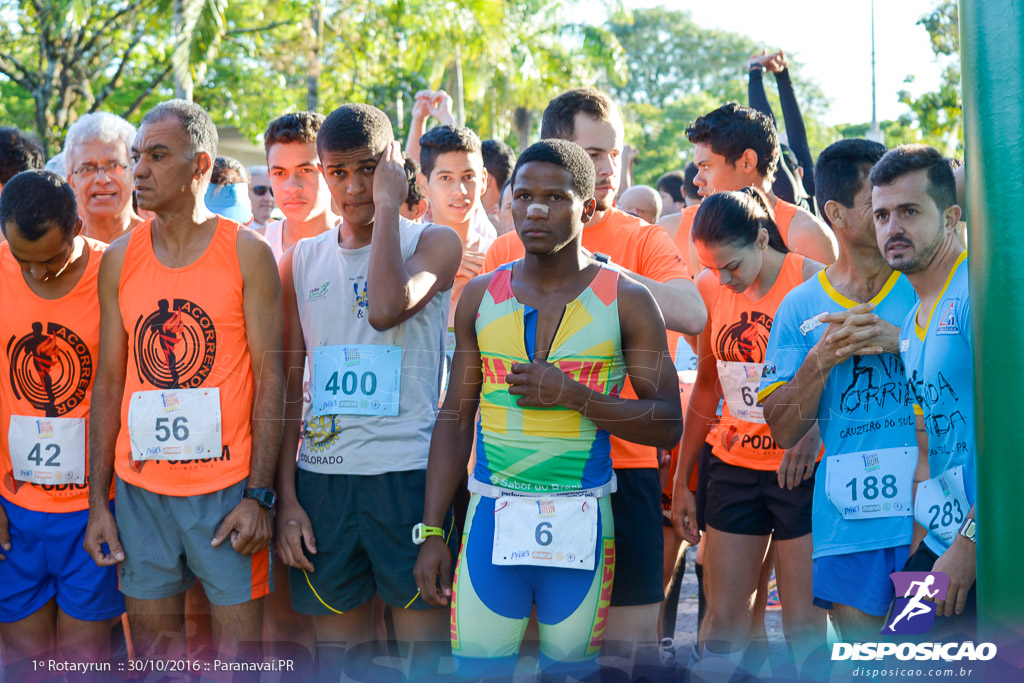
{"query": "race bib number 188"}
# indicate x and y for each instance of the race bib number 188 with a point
(547, 532)
(175, 424)
(871, 484)
(47, 450)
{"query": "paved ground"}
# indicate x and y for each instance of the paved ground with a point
(686, 618)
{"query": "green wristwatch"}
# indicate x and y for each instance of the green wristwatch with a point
(422, 532)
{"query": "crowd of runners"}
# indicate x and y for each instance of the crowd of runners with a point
(442, 394)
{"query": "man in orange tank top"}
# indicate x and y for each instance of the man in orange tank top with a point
(54, 600)
(191, 394)
(736, 147)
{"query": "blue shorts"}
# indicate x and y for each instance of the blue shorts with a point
(47, 560)
(492, 603)
(859, 580)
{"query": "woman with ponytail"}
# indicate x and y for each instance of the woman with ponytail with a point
(756, 493)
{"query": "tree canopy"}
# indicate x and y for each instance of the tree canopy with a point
(501, 60)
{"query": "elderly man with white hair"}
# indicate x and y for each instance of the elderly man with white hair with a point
(97, 158)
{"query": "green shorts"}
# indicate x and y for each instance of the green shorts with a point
(363, 530)
(166, 542)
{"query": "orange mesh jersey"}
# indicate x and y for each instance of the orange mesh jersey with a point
(46, 369)
(186, 330)
(739, 334)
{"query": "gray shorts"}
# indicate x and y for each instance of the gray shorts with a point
(166, 542)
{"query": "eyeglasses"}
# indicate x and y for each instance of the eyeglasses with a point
(115, 169)
(260, 190)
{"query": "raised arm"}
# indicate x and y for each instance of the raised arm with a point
(105, 412)
(796, 134)
(399, 289)
(757, 98)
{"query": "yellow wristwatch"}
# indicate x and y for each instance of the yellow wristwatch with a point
(422, 532)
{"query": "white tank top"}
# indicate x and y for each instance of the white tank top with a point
(274, 233)
(331, 294)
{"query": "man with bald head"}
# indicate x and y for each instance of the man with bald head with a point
(642, 201)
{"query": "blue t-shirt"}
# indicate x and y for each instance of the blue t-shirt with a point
(939, 367)
(865, 404)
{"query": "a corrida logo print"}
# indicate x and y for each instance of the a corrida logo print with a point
(745, 341)
(914, 609)
(51, 368)
(175, 346)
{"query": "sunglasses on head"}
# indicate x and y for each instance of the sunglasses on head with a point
(260, 190)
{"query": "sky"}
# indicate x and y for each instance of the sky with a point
(832, 41)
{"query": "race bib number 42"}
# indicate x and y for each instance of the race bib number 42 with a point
(740, 382)
(47, 450)
(357, 379)
(175, 424)
(871, 484)
(546, 532)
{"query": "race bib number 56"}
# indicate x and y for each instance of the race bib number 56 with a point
(546, 532)
(47, 450)
(176, 424)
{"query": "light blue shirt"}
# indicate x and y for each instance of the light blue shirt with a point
(939, 366)
(865, 404)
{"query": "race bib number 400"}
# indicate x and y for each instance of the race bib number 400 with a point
(47, 450)
(941, 504)
(547, 532)
(357, 379)
(175, 424)
(871, 484)
(740, 382)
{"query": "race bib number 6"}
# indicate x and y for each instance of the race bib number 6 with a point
(546, 532)
(47, 450)
(871, 484)
(357, 379)
(176, 424)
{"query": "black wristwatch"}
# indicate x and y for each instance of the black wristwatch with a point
(265, 496)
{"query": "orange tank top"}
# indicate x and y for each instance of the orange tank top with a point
(46, 375)
(784, 212)
(739, 337)
(186, 330)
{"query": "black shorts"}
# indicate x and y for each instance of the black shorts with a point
(639, 542)
(750, 502)
(702, 487)
(363, 529)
